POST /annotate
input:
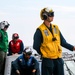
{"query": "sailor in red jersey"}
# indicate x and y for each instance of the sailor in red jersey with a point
(16, 45)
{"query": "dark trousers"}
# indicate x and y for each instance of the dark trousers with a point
(26, 71)
(2, 62)
(52, 66)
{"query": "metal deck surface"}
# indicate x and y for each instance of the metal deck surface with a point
(69, 64)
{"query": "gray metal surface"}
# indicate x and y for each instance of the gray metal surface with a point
(69, 65)
(9, 59)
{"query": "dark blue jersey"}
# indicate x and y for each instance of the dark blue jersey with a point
(22, 63)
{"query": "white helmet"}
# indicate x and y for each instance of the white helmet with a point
(28, 51)
(4, 24)
(45, 13)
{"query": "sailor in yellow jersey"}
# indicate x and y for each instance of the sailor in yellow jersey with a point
(47, 42)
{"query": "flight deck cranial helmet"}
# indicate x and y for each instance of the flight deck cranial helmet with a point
(4, 24)
(45, 13)
(15, 36)
(27, 51)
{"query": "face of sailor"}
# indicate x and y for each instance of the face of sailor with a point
(5, 28)
(27, 56)
(15, 39)
(50, 19)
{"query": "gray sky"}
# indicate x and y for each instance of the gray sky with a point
(24, 17)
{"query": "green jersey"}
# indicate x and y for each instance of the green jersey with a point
(3, 41)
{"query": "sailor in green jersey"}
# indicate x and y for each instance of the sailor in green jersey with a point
(3, 44)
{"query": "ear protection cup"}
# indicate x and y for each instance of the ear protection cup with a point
(45, 16)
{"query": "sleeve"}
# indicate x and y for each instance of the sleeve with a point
(9, 49)
(64, 43)
(36, 63)
(38, 39)
(15, 64)
(0, 36)
(21, 48)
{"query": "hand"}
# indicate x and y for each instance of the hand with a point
(18, 72)
(14, 53)
(33, 70)
(74, 48)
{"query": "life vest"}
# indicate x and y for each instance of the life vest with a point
(15, 46)
(49, 48)
(3, 41)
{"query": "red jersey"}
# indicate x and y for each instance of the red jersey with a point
(15, 46)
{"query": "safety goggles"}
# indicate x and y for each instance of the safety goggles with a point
(6, 26)
(15, 38)
(51, 14)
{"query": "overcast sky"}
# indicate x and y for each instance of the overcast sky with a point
(24, 17)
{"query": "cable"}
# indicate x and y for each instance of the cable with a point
(69, 71)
